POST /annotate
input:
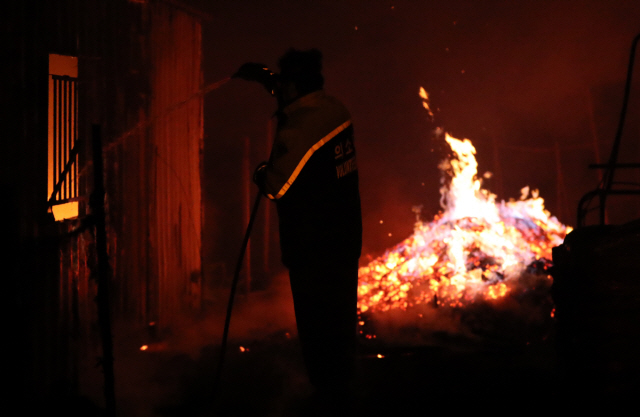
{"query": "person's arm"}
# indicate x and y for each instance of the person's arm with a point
(292, 150)
(284, 164)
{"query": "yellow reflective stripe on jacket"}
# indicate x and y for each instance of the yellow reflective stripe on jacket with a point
(306, 157)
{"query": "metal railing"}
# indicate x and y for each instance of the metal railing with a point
(605, 188)
(64, 142)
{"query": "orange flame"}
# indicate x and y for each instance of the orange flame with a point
(475, 248)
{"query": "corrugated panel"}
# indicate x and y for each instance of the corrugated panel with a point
(151, 173)
(130, 223)
(74, 339)
(121, 81)
(176, 109)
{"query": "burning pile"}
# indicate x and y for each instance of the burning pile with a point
(476, 248)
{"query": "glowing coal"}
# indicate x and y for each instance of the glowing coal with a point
(475, 249)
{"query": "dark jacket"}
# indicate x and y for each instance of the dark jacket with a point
(312, 175)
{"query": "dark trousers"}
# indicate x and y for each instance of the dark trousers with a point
(325, 297)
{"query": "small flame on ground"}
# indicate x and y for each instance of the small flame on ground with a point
(144, 347)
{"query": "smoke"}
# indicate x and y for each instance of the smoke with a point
(513, 77)
(521, 318)
(533, 75)
(261, 314)
(173, 376)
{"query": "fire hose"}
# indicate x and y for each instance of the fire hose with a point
(232, 292)
(261, 74)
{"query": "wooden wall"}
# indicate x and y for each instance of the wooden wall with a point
(176, 111)
(139, 78)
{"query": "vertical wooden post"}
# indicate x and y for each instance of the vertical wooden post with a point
(497, 167)
(246, 183)
(102, 299)
(561, 192)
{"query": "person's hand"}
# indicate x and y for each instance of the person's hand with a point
(260, 173)
(253, 71)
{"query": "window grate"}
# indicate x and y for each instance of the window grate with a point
(63, 139)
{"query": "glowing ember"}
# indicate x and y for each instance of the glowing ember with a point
(425, 101)
(475, 248)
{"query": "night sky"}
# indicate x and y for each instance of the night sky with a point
(515, 77)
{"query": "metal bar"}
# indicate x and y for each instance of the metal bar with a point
(65, 171)
(613, 158)
(69, 200)
(56, 133)
(68, 138)
(598, 192)
(65, 140)
(54, 179)
(59, 133)
(69, 179)
(72, 138)
(65, 122)
(64, 135)
(75, 138)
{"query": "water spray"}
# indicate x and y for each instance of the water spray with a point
(216, 85)
(261, 74)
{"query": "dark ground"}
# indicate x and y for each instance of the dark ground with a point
(500, 363)
(268, 380)
(500, 356)
(457, 377)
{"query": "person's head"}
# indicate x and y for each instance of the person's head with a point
(300, 73)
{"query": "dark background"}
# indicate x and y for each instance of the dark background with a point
(514, 77)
